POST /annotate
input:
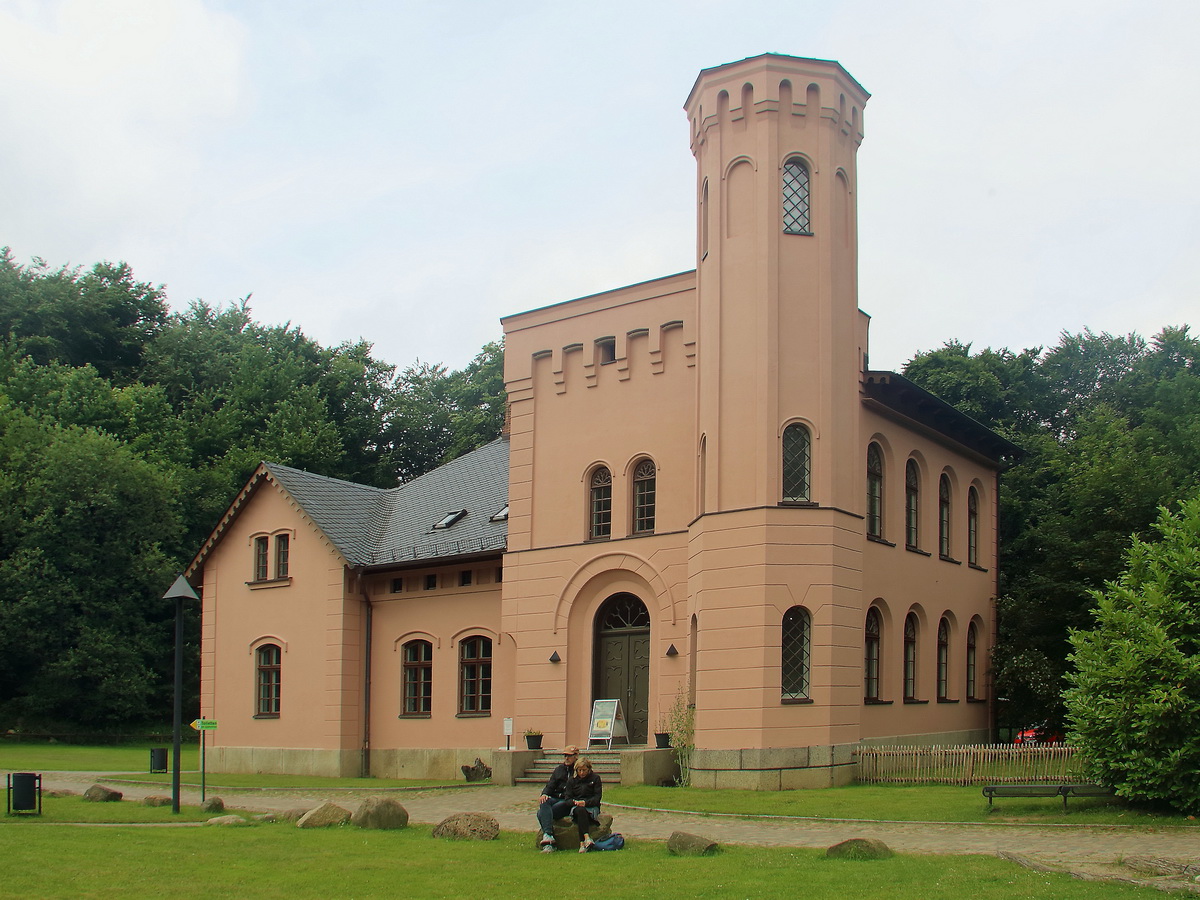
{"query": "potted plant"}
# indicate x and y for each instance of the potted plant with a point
(662, 733)
(533, 739)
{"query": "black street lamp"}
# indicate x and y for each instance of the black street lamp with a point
(178, 592)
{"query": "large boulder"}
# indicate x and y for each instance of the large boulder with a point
(98, 793)
(681, 843)
(860, 848)
(156, 800)
(468, 826)
(325, 815)
(380, 812)
(213, 805)
(566, 835)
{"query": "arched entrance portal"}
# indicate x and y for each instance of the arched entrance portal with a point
(622, 655)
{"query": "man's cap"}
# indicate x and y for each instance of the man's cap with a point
(570, 750)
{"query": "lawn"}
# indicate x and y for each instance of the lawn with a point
(902, 803)
(280, 861)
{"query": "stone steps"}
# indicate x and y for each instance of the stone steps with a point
(605, 763)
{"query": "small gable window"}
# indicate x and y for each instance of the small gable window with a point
(271, 564)
(262, 556)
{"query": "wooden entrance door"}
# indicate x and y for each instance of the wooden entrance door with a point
(623, 660)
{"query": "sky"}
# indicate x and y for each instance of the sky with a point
(409, 172)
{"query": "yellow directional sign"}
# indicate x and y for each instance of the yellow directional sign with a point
(204, 724)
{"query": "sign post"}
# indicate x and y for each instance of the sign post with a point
(508, 725)
(203, 726)
(607, 722)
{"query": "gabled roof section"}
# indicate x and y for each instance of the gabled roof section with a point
(372, 526)
(891, 393)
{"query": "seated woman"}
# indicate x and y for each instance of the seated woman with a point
(583, 792)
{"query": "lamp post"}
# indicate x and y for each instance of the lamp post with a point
(178, 592)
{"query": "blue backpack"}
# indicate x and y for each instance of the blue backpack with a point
(612, 842)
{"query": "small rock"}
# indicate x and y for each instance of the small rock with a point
(58, 795)
(680, 843)
(227, 820)
(213, 805)
(324, 816)
(292, 815)
(380, 812)
(860, 848)
(156, 800)
(98, 793)
(468, 826)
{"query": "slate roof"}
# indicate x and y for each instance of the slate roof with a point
(894, 392)
(377, 527)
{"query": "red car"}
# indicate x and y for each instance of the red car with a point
(1037, 734)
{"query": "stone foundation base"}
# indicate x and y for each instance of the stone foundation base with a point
(506, 765)
(775, 769)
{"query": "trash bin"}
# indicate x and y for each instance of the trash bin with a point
(25, 792)
(158, 759)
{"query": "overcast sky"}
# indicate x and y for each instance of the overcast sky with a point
(408, 172)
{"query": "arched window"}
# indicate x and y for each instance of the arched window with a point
(874, 491)
(943, 660)
(912, 497)
(268, 668)
(910, 656)
(973, 526)
(944, 516)
(475, 676)
(644, 488)
(972, 639)
(796, 651)
(871, 655)
(797, 462)
(795, 197)
(600, 504)
(418, 678)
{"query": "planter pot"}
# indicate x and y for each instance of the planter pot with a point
(662, 741)
(533, 741)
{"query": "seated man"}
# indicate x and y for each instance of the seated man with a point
(553, 803)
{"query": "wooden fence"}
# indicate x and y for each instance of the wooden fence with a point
(972, 764)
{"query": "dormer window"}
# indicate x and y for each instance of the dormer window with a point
(449, 519)
(501, 516)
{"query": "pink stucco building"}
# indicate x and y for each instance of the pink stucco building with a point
(704, 488)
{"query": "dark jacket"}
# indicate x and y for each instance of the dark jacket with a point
(557, 784)
(588, 789)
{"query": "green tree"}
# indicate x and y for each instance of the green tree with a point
(1134, 700)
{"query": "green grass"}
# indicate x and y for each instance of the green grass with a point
(279, 861)
(903, 803)
(122, 812)
(282, 782)
(42, 757)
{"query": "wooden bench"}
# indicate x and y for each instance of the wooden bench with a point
(1046, 790)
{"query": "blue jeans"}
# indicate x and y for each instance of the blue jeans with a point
(550, 809)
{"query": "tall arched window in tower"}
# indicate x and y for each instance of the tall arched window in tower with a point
(912, 505)
(871, 655)
(972, 639)
(973, 526)
(944, 516)
(600, 504)
(797, 462)
(910, 657)
(943, 659)
(644, 492)
(795, 197)
(874, 491)
(795, 654)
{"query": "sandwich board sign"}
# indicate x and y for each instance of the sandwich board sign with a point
(607, 722)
